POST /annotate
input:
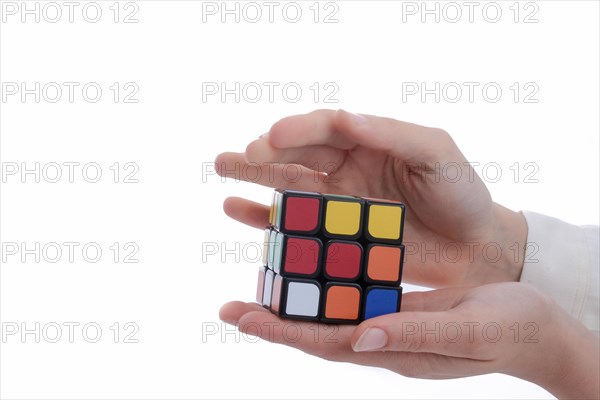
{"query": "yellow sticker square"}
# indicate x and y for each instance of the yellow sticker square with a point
(385, 221)
(342, 217)
(272, 209)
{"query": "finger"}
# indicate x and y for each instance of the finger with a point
(433, 300)
(314, 128)
(271, 174)
(446, 333)
(332, 342)
(234, 310)
(327, 341)
(314, 157)
(247, 212)
(404, 140)
(345, 130)
(304, 335)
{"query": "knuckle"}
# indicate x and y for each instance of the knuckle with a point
(442, 137)
(252, 149)
(278, 126)
(440, 133)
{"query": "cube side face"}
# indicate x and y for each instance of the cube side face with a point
(265, 249)
(278, 251)
(260, 286)
(277, 209)
(271, 247)
(268, 288)
(276, 294)
(272, 209)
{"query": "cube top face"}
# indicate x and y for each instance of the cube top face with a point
(343, 217)
(332, 258)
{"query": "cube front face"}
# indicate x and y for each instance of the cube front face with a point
(332, 258)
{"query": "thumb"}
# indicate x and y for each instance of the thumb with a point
(442, 332)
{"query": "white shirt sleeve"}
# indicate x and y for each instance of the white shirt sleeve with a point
(561, 260)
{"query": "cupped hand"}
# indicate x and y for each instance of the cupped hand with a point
(509, 328)
(455, 235)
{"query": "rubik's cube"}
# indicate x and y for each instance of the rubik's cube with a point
(332, 258)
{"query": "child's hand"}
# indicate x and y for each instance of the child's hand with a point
(448, 333)
(453, 228)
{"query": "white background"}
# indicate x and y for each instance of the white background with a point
(174, 212)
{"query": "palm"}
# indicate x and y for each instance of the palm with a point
(504, 305)
(434, 211)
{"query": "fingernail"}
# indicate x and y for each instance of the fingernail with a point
(358, 119)
(230, 322)
(263, 135)
(371, 339)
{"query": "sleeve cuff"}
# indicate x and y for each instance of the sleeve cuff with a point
(560, 260)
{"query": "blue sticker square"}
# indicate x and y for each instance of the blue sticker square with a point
(381, 302)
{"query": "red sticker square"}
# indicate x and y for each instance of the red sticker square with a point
(302, 214)
(343, 260)
(302, 256)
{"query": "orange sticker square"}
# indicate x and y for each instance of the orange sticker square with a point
(342, 302)
(384, 263)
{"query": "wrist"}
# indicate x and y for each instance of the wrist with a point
(569, 365)
(511, 232)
